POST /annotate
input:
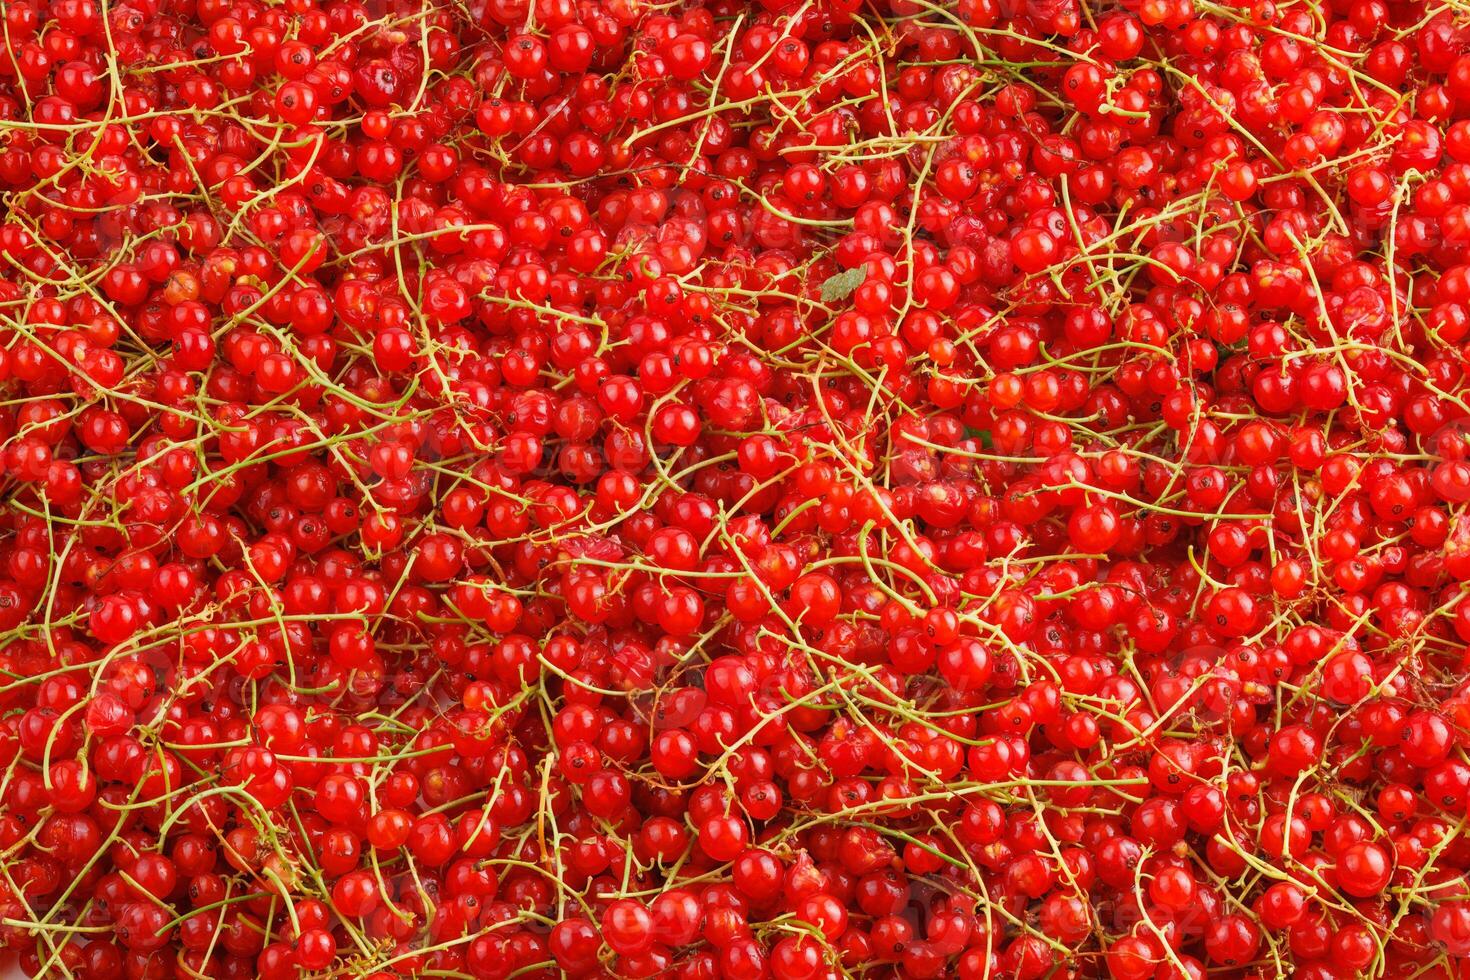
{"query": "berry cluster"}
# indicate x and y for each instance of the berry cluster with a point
(713, 489)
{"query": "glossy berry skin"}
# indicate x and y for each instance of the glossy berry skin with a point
(709, 489)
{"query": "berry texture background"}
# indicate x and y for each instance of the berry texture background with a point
(776, 490)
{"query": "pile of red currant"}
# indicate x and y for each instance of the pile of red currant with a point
(781, 490)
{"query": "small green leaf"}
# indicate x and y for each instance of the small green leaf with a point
(841, 285)
(982, 434)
